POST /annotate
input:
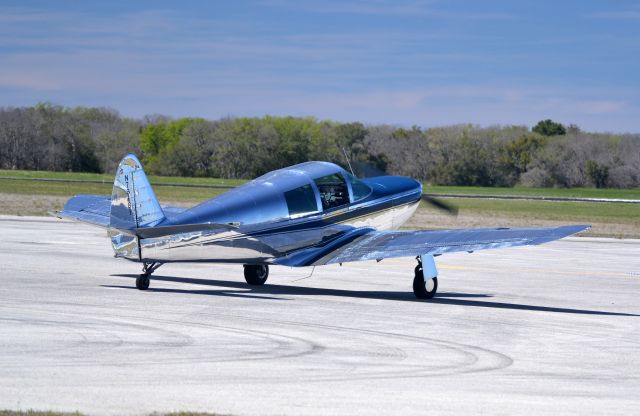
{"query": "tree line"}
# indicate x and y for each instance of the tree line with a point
(83, 139)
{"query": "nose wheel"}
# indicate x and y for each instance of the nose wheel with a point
(422, 289)
(425, 280)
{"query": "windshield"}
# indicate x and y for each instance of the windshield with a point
(359, 188)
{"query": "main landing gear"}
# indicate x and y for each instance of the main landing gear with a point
(256, 274)
(425, 281)
(143, 281)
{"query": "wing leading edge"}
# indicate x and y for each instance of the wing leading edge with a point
(377, 245)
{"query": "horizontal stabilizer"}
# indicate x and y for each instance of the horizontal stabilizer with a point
(92, 209)
(96, 210)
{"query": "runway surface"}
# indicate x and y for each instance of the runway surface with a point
(553, 329)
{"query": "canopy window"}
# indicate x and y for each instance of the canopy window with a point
(333, 191)
(301, 201)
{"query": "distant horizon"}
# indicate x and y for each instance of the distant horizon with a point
(428, 63)
(378, 123)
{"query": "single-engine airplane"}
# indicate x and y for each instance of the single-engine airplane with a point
(310, 214)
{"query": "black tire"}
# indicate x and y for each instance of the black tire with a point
(422, 289)
(256, 274)
(143, 281)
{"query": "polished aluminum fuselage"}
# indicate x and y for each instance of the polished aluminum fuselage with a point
(262, 230)
(266, 243)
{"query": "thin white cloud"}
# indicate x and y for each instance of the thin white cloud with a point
(428, 107)
(404, 8)
(25, 15)
(373, 7)
(32, 81)
(117, 43)
(601, 107)
(631, 13)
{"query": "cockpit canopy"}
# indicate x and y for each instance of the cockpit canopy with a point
(293, 192)
(325, 193)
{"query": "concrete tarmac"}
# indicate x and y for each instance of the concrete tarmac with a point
(553, 329)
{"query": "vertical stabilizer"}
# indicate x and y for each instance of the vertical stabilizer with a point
(133, 205)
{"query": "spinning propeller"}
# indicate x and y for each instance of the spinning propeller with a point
(367, 170)
(438, 203)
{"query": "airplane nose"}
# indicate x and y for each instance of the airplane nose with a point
(405, 184)
(389, 185)
(414, 184)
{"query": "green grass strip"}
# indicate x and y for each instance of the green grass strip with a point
(461, 190)
(537, 192)
(50, 413)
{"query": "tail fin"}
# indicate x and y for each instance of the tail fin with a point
(133, 205)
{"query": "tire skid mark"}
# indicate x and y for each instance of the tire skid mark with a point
(283, 346)
(468, 358)
(475, 358)
(94, 334)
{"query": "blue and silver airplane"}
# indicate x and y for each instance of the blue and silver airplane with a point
(310, 214)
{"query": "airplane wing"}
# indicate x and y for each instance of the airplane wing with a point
(377, 245)
(96, 210)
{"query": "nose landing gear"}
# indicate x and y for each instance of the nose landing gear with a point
(425, 281)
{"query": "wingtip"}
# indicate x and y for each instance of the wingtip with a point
(576, 229)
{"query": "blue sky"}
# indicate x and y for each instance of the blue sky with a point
(413, 62)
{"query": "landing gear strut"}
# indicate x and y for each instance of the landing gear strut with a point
(142, 281)
(256, 274)
(425, 281)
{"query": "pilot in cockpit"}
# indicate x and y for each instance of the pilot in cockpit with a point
(331, 197)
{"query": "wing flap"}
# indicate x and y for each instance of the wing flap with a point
(377, 245)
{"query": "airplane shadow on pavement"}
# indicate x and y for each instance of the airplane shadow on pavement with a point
(259, 292)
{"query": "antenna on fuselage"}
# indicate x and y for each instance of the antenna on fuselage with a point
(306, 277)
(348, 162)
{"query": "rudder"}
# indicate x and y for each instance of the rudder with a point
(133, 205)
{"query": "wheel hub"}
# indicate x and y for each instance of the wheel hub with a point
(429, 285)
